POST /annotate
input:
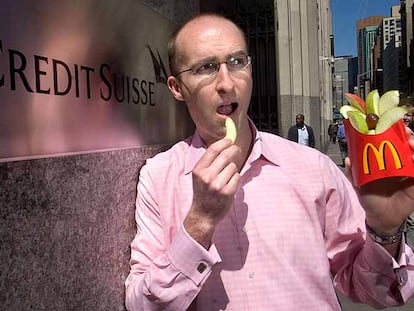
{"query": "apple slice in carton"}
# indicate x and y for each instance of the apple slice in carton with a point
(387, 101)
(347, 108)
(356, 101)
(372, 103)
(376, 114)
(376, 137)
(357, 119)
(389, 117)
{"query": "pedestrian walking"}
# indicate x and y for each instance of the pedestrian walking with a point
(343, 146)
(332, 131)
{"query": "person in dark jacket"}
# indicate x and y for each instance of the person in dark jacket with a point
(343, 145)
(332, 130)
(301, 132)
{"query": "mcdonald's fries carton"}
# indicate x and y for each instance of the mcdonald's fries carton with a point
(387, 154)
(376, 137)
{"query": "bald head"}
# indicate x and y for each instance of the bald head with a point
(196, 28)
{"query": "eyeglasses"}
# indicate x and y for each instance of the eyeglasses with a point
(209, 68)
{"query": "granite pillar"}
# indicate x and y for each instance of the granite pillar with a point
(66, 224)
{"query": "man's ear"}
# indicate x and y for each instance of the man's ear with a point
(175, 88)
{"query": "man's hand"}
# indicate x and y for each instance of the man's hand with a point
(387, 201)
(215, 181)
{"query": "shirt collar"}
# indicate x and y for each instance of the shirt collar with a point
(194, 152)
(301, 126)
(266, 147)
(261, 147)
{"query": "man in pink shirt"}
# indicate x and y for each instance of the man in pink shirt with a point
(252, 225)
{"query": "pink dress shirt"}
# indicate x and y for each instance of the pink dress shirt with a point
(296, 231)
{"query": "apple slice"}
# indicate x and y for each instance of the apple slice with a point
(389, 117)
(356, 101)
(357, 119)
(372, 102)
(345, 108)
(231, 130)
(388, 100)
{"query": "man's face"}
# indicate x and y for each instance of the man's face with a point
(408, 119)
(211, 98)
(300, 119)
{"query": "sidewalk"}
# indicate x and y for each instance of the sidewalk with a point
(334, 153)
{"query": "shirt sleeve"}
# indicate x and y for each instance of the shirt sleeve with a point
(362, 269)
(163, 275)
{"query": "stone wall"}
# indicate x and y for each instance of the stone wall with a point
(177, 11)
(66, 224)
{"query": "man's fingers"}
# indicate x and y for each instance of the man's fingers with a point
(232, 154)
(234, 182)
(226, 177)
(213, 152)
(216, 179)
(348, 170)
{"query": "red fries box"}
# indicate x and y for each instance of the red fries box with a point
(382, 155)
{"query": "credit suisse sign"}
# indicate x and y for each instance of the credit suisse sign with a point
(84, 76)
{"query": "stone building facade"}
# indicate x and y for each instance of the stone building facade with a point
(83, 96)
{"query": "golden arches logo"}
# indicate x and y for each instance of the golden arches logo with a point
(379, 154)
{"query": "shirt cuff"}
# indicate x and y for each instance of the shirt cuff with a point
(190, 258)
(380, 260)
(405, 281)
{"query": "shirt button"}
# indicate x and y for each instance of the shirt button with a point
(201, 267)
(251, 275)
(401, 276)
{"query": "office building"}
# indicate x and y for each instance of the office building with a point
(341, 81)
(386, 53)
(391, 27)
(406, 70)
(367, 31)
(391, 53)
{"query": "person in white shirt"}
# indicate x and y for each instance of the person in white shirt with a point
(301, 132)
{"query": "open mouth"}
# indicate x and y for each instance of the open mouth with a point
(227, 109)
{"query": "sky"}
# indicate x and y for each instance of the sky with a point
(345, 14)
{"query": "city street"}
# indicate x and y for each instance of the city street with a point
(347, 305)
